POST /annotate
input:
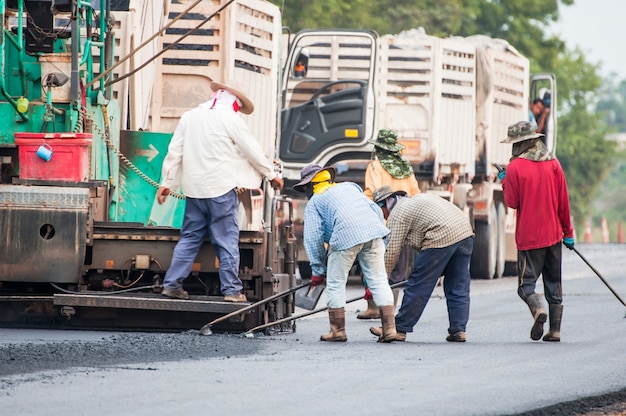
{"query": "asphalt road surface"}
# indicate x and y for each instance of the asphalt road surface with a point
(499, 371)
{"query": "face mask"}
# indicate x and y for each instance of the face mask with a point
(309, 190)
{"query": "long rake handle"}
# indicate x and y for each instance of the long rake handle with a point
(600, 276)
(254, 305)
(302, 315)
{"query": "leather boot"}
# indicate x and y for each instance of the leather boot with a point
(388, 319)
(396, 294)
(371, 312)
(337, 317)
(556, 312)
(539, 314)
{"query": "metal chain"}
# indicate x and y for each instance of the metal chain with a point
(53, 34)
(121, 156)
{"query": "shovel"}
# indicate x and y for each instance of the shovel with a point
(307, 297)
(206, 329)
(302, 315)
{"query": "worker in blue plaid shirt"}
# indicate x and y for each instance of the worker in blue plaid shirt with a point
(342, 225)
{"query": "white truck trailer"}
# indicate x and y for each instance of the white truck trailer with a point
(450, 100)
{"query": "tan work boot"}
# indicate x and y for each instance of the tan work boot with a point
(337, 317)
(556, 312)
(388, 319)
(175, 293)
(235, 297)
(378, 331)
(371, 312)
(396, 294)
(457, 337)
(535, 304)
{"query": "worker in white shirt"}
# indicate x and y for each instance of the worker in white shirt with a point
(211, 154)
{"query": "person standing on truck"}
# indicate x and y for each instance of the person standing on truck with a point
(211, 155)
(534, 184)
(389, 167)
(443, 235)
(539, 115)
(340, 226)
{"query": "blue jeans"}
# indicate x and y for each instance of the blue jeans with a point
(217, 218)
(371, 258)
(452, 262)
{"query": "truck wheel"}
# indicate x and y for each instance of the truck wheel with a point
(483, 263)
(501, 245)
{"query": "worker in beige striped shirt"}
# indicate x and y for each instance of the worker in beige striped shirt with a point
(443, 236)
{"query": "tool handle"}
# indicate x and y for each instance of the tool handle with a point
(600, 276)
(302, 315)
(254, 305)
(500, 168)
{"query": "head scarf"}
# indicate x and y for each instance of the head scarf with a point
(533, 149)
(223, 99)
(394, 163)
(319, 184)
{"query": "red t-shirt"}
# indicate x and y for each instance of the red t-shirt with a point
(538, 191)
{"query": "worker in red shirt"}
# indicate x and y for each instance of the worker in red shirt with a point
(534, 184)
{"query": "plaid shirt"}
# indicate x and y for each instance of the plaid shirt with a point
(342, 217)
(422, 222)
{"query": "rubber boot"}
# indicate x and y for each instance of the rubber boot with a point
(556, 312)
(396, 294)
(539, 314)
(388, 319)
(337, 317)
(371, 312)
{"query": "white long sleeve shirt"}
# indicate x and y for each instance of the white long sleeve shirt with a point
(211, 152)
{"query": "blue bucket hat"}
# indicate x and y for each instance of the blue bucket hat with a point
(308, 172)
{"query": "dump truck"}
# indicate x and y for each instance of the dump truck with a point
(450, 101)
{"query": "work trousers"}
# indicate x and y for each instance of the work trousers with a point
(452, 262)
(371, 258)
(541, 261)
(217, 218)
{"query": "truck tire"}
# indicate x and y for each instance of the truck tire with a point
(501, 245)
(483, 262)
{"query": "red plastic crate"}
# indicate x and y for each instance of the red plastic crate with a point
(70, 156)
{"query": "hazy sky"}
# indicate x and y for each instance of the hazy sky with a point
(598, 27)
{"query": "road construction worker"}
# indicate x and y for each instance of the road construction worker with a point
(389, 167)
(442, 234)
(534, 184)
(211, 155)
(338, 216)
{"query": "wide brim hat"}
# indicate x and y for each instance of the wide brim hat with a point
(384, 192)
(308, 173)
(247, 107)
(388, 140)
(520, 131)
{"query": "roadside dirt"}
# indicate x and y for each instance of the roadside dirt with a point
(611, 404)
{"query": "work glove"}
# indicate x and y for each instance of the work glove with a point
(317, 280)
(502, 175)
(569, 242)
(368, 294)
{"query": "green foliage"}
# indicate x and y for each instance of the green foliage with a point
(612, 103)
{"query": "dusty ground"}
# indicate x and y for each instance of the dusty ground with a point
(135, 348)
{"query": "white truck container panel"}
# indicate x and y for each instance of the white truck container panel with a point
(240, 43)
